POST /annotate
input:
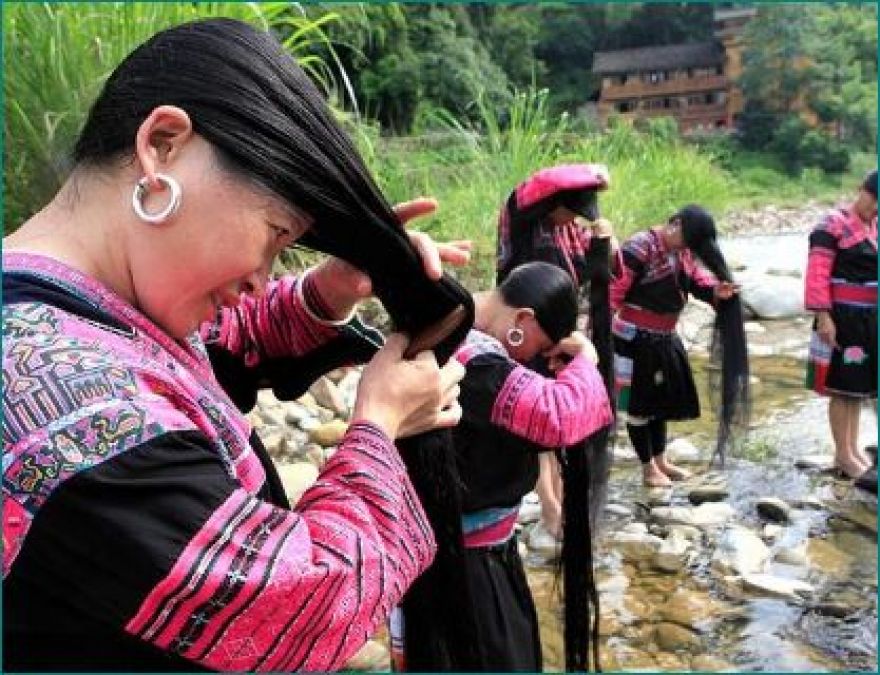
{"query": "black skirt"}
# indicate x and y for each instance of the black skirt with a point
(654, 377)
(507, 622)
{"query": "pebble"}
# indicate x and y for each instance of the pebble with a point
(774, 509)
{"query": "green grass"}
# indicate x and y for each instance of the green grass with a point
(56, 57)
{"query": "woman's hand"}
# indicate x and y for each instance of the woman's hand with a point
(407, 397)
(725, 290)
(342, 286)
(826, 330)
(602, 228)
(569, 347)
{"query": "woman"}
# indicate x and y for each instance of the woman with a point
(652, 373)
(553, 216)
(144, 525)
(841, 288)
(511, 415)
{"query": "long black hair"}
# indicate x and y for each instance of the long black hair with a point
(586, 465)
(728, 348)
(269, 125)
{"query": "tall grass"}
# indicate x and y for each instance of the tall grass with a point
(56, 56)
(471, 173)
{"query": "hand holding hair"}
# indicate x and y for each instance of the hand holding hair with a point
(405, 397)
(342, 285)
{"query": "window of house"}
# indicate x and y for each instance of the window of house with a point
(625, 106)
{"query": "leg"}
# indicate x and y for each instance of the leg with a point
(640, 434)
(839, 417)
(551, 500)
(658, 444)
(855, 414)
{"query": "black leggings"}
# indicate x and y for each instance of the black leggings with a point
(649, 440)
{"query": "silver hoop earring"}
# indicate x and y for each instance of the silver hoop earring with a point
(515, 337)
(142, 188)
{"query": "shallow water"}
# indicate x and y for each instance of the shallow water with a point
(832, 628)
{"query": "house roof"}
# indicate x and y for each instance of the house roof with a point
(666, 57)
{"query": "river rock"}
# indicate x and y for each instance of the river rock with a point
(683, 450)
(821, 462)
(703, 663)
(529, 511)
(686, 532)
(773, 586)
(542, 542)
(309, 403)
(309, 423)
(705, 515)
(671, 637)
(708, 493)
(618, 510)
(672, 554)
(294, 413)
(793, 555)
(690, 609)
(754, 328)
(828, 558)
(348, 386)
(774, 509)
(272, 417)
(373, 656)
(772, 532)
(275, 441)
(297, 478)
(327, 395)
(329, 433)
(635, 546)
(740, 551)
(773, 297)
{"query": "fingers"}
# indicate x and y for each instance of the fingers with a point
(456, 253)
(415, 208)
(451, 374)
(395, 346)
(428, 252)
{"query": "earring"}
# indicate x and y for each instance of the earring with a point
(140, 191)
(515, 337)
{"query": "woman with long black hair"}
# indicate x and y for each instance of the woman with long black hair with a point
(144, 525)
(512, 414)
(653, 376)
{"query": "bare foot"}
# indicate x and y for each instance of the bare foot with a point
(654, 477)
(850, 466)
(673, 471)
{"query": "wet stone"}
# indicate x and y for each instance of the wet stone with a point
(671, 637)
(774, 509)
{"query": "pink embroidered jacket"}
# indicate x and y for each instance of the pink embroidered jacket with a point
(510, 414)
(144, 525)
(842, 262)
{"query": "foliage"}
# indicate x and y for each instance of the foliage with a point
(57, 55)
(810, 80)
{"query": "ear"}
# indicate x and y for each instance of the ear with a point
(523, 316)
(159, 140)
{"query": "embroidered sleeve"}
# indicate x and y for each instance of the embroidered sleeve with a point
(548, 412)
(288, 320)
(630, 265)
(701, 282)
(164, 544)
(820, 261)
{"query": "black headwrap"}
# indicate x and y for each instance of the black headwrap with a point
(728, 348)
(869, 185)
(586, 465)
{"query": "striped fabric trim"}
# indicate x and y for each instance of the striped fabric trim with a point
(553, 412)
(275, 325)
(261, 588)
(489, 526)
